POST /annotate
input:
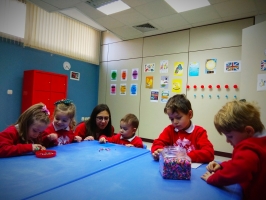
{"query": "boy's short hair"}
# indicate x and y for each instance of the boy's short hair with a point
(236, 115)
(178, 103)
(131, 119)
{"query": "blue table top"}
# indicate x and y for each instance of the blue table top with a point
(140, 178)
(24, 176)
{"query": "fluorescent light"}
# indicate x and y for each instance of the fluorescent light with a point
(114, 7)
(185, 5)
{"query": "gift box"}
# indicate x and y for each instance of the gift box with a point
(174, 163)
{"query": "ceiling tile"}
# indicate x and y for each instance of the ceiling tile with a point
(109, 23)
(217, 1)
(134, 3)
(155, 9)
(235, 7)
(170, 21)
(200, 15)
(89, 11)
(43, 5)
(126, 31)
(62, 4)
(239, 16)
(178, 28)
(213, 21)
(129, 17)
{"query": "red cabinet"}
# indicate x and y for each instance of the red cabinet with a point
(45, 87)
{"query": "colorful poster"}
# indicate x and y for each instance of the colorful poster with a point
(177, 85)
(164, 66)
(133, 89)
(232, 66)
(123, 74)
(164, 82)
(261, 82)
(113, 89)
(165, 96)
(154, 96)
(210, 66)
(263, 65)
(149, 82)
(113, 75)
(135, 74)
(193, 69)
(123, 89)
(149, 67)
(178, 68)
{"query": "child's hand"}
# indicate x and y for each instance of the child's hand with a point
(89, 138)
(213, 166)
(52, 136)
(77, 138)
(156, 154)
(129, 145)
(206, 175)
(37, 147)
(102, 140)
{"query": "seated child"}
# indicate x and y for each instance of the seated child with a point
(240, 122)
(182, 132)
(128, 127)
(60, 131)
(23, 136)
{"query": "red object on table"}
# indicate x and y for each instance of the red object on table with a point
(194, 86)
(188, 87)
(235, 86)
(210, 86)
(218, 86)
(202, 86)
(226, 86)
(45, 154)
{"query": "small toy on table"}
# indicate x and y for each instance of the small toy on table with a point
(174, 163)
(45, 153)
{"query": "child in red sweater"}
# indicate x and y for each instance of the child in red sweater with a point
(182, 132)
(240, 122)
(128, 127)
(60, 131)
(23, 136)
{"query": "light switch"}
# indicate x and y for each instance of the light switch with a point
(9, 91)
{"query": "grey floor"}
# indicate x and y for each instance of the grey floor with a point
(217, 158)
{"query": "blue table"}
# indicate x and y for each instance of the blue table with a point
(139, 178)
(25, 176)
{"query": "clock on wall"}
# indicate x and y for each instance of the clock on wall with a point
(66, 65)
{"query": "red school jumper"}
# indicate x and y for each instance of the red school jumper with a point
(65, 136)
(118, 139)
(10, 144)
(80, 130)
(247, 167)
(194, 140)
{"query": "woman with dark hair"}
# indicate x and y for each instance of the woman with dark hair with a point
(99, 123)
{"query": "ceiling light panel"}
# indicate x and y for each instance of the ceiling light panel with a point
(186, 5)
(114, 7)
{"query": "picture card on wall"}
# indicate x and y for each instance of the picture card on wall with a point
(135, 74)
(164, 66)
(261, 86)
(210, 66)
(74, 75)
(123, 89)
(178, 68)
(165, 96)
(232, 66)
(177, 85)
(149, 67)
(149, 82)
(123, 74)
(193, 69)
(113, 89)
(154, 95)
(164, 82)
(133, 89)
(113, 75)
(263, 65)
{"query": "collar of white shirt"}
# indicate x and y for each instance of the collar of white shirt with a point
(129, 139)
(190, 129)
(67, 128)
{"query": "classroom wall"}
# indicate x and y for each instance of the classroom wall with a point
(15, 59)
(219, 41)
